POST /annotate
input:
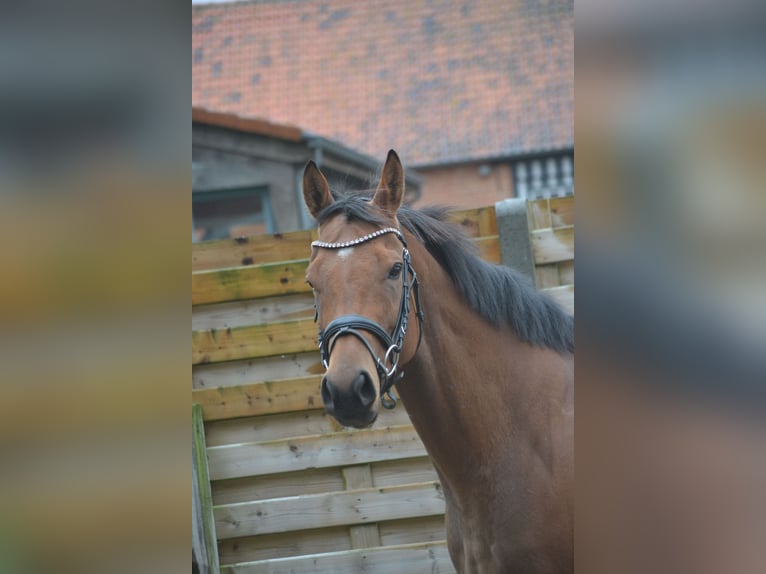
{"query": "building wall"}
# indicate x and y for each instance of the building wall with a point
(222, 170)
(228, 159)
(466, 185)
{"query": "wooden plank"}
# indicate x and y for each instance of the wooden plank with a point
(282, 545)
(269, 427)
(566, 272)
(215, 345)
(203, 523)
(539, 214)
(310, 481)
(358, 506)
(564, 295)
(562, 211)
(422, 558)
(244, 372)
(553, 245)
(283, 425)
(547, 276)
(358, 476)
(489, 248)
(267, 397)
(252, 312)
(410, 530)
(363, 535)
(478, 222)
(336, 449)
(393, 472)
(237, 283)
(252, 250)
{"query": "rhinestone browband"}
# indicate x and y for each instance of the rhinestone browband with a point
(344, 244)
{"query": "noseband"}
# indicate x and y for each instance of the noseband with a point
(355, 324)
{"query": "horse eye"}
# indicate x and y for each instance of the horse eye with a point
(395, 271)
(309, 283)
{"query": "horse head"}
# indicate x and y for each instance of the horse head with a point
(361, 276)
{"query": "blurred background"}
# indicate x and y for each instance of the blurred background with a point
(671, 374)
(94, 210)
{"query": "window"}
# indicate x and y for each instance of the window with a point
(229, 213)
(545, 176)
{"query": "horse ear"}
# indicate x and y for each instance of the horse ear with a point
(316, 190)
(390, 190)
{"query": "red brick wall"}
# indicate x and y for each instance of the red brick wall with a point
(463, 186)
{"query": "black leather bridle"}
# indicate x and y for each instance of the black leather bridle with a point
(355, 324)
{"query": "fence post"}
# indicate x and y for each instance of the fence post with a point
(513, 232)
(204, 543)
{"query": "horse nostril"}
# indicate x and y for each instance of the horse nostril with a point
(365, 389)
(327, 393)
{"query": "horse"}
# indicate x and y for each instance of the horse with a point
(482, 361)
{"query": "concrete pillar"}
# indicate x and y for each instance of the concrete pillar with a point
(513, 231)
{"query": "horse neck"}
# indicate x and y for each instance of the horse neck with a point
(454, 379)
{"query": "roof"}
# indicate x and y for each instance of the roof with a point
(327, 153)
(244, 124)
(440, 82)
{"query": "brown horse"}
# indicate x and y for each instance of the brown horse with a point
(489, 368)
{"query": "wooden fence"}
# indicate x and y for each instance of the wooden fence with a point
(284, 488)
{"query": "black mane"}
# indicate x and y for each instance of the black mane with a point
(498, 293)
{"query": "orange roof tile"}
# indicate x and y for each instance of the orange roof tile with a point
(440, 81)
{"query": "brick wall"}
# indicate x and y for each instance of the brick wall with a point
(467, 185)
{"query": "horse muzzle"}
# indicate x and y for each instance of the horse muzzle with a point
(353, 404)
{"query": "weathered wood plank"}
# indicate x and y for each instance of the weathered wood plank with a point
(411, 558)
(203, 524)
(283, 545)
(246, 489)
(316, 480)
(393, 472)
(553, 245)
(252, 250)
(336, 449)
(269, 427)
(562, 211)
(364, 505)
(248, 371)
(553, 212)
(267, 397)
(252, 312)
(214, 345)
(362, 535)
(489, 248)
(539, 214)
(547, 275)
(282, 425)
(566, 272)
(411, 530)
(238, 283)
(477, 222)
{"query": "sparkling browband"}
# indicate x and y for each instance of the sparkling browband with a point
(344, 244)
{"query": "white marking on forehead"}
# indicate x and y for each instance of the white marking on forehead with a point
(345, 252)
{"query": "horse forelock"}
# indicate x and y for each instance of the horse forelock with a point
(500, 294)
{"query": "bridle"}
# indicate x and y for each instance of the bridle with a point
(354, 324)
